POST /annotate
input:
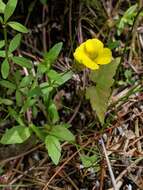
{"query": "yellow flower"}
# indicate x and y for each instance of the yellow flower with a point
(92, 54)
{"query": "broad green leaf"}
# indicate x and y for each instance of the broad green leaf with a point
(7, 84)
(22, 61)
(2, 6)
(16, 135)
(2, 43)
(99, 100)
(53, 53)
(104, 75)
(18, 27)
(100, 93)
(14, 43)
(6, 101)
(53, 113)
(88, 161)
(53, 147)
(62, 133)
(9, 9)
(5, 69)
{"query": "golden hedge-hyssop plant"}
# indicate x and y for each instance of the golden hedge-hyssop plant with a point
(96, 57)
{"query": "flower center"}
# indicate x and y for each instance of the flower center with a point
(91, 54)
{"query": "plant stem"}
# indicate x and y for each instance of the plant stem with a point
(6, 41)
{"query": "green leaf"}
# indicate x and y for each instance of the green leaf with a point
(27, 104)
(53, 53)
(42, 68)
(2, 6)
(88, 161)
(62, 133)
(16, 135)
(6, 101)
(127, 18)
(16, 116)
(18, 97)
(18, 27)
(9, 9)
(3, 54)
(99, 94)
(7, 84)
(35, 92)
(45, 88)
(38, 131)
(64, 77)
(14, 43)
(53, 113)
(53, 147)
(44, 2)
(2, 43)
(22, 61)
(5, 69)
(59, 78)
(26, 81)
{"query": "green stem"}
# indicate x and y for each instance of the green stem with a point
(6, 41)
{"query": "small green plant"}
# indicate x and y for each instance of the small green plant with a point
(27, 89)
(127, 19)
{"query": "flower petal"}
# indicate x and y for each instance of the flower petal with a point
(89, 63)
(93, 47)
(82, 58)
(104, 57)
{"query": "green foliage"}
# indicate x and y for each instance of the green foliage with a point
(51, 56)
(14, 43)
(15, 135)
(9, 9)
(127, 18)
(54, 148)
(7, 84)
(2, 6)
(30, 91)
(2, 43)
(53, 113)
(44, 2)
(5, 68)
(51, 135)
(88, 161)
(17, 26)
(99, 94)
(62, 133)
(6, 101)
(22, 61)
